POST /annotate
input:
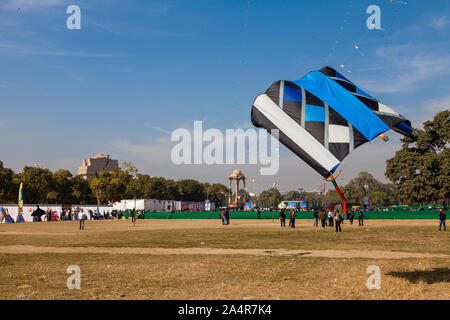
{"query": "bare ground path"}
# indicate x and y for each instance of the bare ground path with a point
(370, 254)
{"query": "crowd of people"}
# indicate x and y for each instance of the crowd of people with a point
(332, 217)
(73, 215)
(65, 215)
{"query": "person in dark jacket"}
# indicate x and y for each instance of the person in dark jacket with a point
(351, 216)
(282, 218)
(292, 218)
(360, 218)
(227, 216)
(442, 218)
(323, 217)
(316, 218)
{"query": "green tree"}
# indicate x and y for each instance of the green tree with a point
(217, 193)
(292, 196)
(355, 189)
(81, 191)
(313, 199)
(269, 198)
(191, 190)
(62, 187)
(37, 185)
(171, 191)
(421, 169)
(154, 188)
(8, 189)
(110, 185)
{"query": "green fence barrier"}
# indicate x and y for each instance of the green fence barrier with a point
(432, 214)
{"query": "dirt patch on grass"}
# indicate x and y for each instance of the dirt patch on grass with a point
(368, 254)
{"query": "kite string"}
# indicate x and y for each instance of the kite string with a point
(341, 29)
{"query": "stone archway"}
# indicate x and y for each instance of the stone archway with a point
(237, 176)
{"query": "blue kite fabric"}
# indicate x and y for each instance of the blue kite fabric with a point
(323, 116)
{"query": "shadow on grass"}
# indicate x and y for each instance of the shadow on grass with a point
(428, 276)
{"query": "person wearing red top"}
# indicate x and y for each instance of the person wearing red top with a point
(223, 217)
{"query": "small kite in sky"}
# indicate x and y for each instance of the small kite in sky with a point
(343, 67)
(252, 179)
(384, 137)
(357, 48)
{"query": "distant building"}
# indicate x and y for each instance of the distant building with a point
(92, 166)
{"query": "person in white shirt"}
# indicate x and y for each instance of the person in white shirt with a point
(330, 218)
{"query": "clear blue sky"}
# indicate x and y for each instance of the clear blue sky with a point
(139, 69)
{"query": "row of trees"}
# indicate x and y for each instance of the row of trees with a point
(43, 186)
(355, 190)
(61, 187)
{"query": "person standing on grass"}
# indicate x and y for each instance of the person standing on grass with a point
(223, 216)
(360, 218)
(337, 217)
(330, 218)
(323, 217)
(316, 218)
(442, 218)
(259, 213)
(292, 218)
(351, 215)
(227, 216)
(283, 219)
(133, 216)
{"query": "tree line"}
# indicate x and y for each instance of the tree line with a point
(354, 191)
(40, 185)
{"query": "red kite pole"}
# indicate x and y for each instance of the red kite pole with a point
(341, 195)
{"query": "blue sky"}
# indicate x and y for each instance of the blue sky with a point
(137, 70)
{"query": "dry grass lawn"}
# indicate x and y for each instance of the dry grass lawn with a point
(201, 259)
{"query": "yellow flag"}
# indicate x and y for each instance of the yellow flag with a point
(20, 196)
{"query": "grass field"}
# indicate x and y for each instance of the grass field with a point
(201, 259)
